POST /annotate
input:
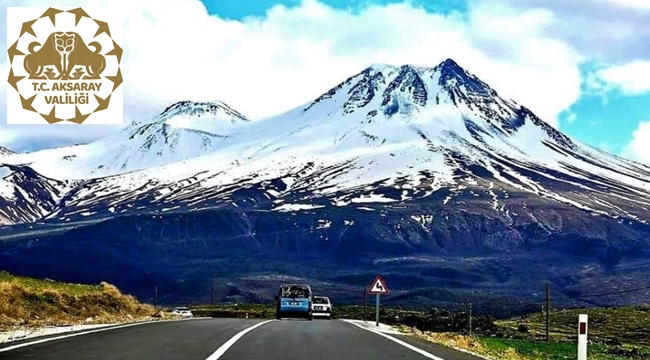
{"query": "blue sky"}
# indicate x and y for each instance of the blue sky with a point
(238, 10)
(607, 124)
(576, 65)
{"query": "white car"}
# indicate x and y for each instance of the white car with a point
(321, 307)
(183, 311)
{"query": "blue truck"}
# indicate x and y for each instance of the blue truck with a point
(294, 301)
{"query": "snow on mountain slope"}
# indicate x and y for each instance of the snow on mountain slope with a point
(434, 110)
(389, 128)
(26, 196)
(182, 131)
(5, 152)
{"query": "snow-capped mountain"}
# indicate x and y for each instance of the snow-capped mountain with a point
(182, 131)
(395, 161)
(416, 130)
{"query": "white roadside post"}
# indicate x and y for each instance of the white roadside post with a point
(377, 288)
(582, 336)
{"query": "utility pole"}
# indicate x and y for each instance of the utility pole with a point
(155, 298)
(365, 301)
(470, 318)
(548, 310)
(214, 279)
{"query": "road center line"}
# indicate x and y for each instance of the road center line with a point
(406, 345)
(223, 348)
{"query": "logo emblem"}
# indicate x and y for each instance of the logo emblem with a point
(64, 66)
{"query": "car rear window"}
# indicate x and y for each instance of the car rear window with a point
(295, 292)
(320, 300)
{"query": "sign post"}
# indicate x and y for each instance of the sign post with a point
(582, 336)
(377, 314)
(377, 288)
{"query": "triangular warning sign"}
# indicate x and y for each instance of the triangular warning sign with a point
(378, 287)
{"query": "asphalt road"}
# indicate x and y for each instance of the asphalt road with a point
(233, 339)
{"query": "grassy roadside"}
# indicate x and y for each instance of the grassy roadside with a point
(609, 326)
(614, 334)
(255, 311)
(34, 302)
(514, 349)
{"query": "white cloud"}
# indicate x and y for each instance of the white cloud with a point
(174, 50)
(610, 31)
(270, 65)
(632, 78)
(631, 4)
(639, 148)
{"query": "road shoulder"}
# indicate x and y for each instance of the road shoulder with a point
(441, 351)
(71, 331)
(424, 347)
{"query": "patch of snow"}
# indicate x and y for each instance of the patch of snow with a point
(297, 207)
(171, 208)
(324, 224)
(365, 208)
(399, 259)
(273, 193)
(7, 189)
(471, 181)
(495, 198)
(161, 193)
(423, 220)
(372, 198)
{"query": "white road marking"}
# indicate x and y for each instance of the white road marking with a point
(406, 345)
(223, 348)
(9, 348)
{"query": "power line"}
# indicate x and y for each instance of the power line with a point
(613, 293)
(484, 302)
(596, 295)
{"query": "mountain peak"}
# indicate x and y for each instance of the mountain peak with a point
(449, 65)
(453, 76)
(379, 67)
(201, 108)
(408, 85)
